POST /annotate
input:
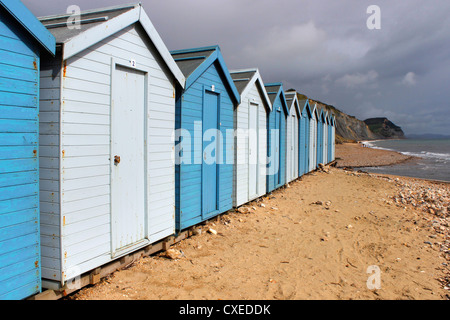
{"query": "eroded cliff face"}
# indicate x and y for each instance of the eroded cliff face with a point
(384, 128)
(348, 128)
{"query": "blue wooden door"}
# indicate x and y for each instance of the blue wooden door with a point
(210, 152)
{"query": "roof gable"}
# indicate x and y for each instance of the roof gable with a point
(99, 24)
(245, 79)
(275, 90)
(24, 17)
(194, 62)
(314, 111)
(292, 102)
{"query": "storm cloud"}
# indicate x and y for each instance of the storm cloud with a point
(321, 48)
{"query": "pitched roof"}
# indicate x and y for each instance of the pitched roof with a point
(31, 24)
(243, 79)
(291, 99)
(194, 62)
(273, 91)
(190, 59)
(99, 24)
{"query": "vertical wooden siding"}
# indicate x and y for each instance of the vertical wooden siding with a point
(190, 180)
(19, 204)
(241, 179)
(271, 183)
(85, 149)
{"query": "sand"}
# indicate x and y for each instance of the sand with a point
(356, 155)
(316, 239)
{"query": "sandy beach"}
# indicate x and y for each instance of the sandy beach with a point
(356, 155)
(317, 239)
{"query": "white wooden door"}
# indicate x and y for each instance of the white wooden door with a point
(252, 151)
(128, 159)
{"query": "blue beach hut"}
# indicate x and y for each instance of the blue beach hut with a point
(23, 40)
(304, 135)
(320, 125)
(276, 133)
(205, 144)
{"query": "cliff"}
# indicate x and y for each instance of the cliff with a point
(384, 128)
(351, 129)
(348, 128)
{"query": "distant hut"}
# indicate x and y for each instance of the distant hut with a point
(23, 44)
(250, 120)
(292, 136)
(333, 138)
(305, 119)
(205, 109)
(320, 131)
(276, 130)
(313, 138)
(325, 137)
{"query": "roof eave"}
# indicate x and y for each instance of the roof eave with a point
(34, 27)
(255, 80)
(215, 56)
(98, 33)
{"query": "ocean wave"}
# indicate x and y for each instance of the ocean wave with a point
(421, 154)
(427, 154)
(372, 146)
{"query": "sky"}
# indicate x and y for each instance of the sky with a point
(323, 49)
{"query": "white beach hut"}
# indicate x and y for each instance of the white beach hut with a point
(250, 122)
(292, 136)
(325, 139)
(313, 138)
(107, 178)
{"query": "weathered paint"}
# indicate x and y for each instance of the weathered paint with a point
(205, 190)
(250, 161)
(320, 124)
(276, 133)
(292, 137)
(304, 139)
(83, 100)
(20, 51)
(313, 139)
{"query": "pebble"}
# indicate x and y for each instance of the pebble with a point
(212, 231)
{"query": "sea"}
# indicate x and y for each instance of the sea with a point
(433, 158)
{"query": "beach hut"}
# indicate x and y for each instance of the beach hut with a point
(320, 129)
(292, 136)
(333, 138)
(330, 142)
(23, 41)
(276, 142)
(313, 138)
(205, 119)
(304, 134)
(108, 114)
(325, 138)
(250, 121)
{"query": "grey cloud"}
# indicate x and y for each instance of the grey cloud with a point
(323, 49)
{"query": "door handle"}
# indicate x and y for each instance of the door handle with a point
(116, 160)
